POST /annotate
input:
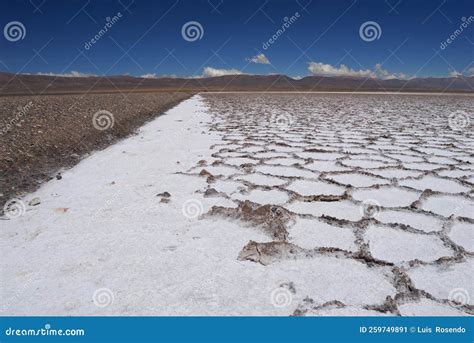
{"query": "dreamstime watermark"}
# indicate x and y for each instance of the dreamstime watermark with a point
(14, 208)
(103, 297)
(458, 297)
(46, 331)
(464, 25)
(459, 120)
(14, 31)
(101, 210)
(16, 118)
(370, 31)
(283, 121)
(369, 208)
(281, 297)
(192, 208)
(17, 295)
(103, 120)
(110, 22)
(192, 31)
(287, 22)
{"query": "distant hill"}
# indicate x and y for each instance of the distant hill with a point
(41, 84)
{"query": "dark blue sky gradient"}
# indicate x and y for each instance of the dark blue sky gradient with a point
(230, 37)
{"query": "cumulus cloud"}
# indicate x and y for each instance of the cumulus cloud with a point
(212, 72)
(70, 74)
(162, 76)
(322, 69)
(454, 73)
(384, 73)
(172, 76)
(259, 59)
(465, 73)
(149, 76)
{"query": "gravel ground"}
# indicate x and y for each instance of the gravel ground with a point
(39, 135)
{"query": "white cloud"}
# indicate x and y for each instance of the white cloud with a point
(322, 69)
(383, 73)
(259, 59)
(454, 73)
(466, 72)
(71, 74)
(162, 76)
(403, 76)
(212, 72)
(148, 76)
(172, 76)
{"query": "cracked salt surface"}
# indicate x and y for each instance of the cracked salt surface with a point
(221, 170)
(285, 171)
(368, 164)
(307, 188)
(426, 307)
(402, 158)
(320, 155)
(227, 186)
(387, 197)
(447, 205)
(454, 173)
(342, 312)
(462, 233)
(310, 234)
(262, 180)
(357, 180)
(325, 166)
(435, 184)
(440, 280)
(422, 166)
(285, 161)
(343, 278)
(397, 246)
(395, 173)
(419, 221)
(340, 209)
(340, 231)
(270, 154)
(274, 197)
(406, 158)
(240, 161)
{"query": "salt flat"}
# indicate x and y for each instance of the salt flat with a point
(279, 204)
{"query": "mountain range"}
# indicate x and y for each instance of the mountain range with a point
(45, 84)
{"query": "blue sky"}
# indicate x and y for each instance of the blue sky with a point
(147, 38)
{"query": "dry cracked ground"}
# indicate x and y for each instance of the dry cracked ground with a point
(376, 186)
